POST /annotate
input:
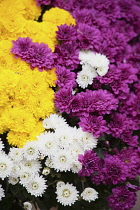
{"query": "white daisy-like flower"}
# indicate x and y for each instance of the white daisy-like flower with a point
(88, 67)
(87, 141)
(101, 63)
(36, 186)
(47, 144)
(30, 150)
(62, 160)
(27, 205)
(6, 166)
(16, 154)
(33, 165)
(76, 167)
(49, 163)
(26, 175)
(16, 170)
(1, 145)
(95, 60)
(67, 194)
(54, 121)
(1, 192)
(76, 149)
(13, 180)
(60, 183)
(89, 194)
(64, 137)
(46, 171)
(85, 56)
(84, 78)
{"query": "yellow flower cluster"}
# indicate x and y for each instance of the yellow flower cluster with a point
(17, 20)
(26, 95)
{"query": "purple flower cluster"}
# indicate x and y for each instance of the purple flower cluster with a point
(122, 198)
(109, 107)
(113, 169)
(37, 55)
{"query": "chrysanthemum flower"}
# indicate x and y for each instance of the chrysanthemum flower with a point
(36, 186)
(67, 194)
(89, 194)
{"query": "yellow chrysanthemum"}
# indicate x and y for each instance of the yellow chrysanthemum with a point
(58, 16)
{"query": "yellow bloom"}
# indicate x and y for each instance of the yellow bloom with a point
(58, 16)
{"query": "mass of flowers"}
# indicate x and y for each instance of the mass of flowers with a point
(70, 104)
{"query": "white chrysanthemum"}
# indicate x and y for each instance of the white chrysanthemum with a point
(15, 170)
(59, 184)
(54, 121)
(16, 154)
(76, 167)
(89, 194)
(64, 137)
(67, 194)
(6, 166)
(88, 67)
(33, 165)
(1, 192)
(62, 161)
(49, 163)
(47, 144)
(96, 60)
(87, 141)
(26, 175)
(13, 180)
(85, 56)
(30, 150)
(46, 171)
(27, 206)
(1, 145)
(101, 63)
(76, 149)
(84, 78)
(36, 186)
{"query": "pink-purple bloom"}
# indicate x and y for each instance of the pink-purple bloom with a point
(37, 55)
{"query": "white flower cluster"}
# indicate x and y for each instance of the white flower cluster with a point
(59, 146)
(20, 169)
(93, 64)
(64, 144)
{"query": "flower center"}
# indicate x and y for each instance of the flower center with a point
(66, 193)
(3, 166)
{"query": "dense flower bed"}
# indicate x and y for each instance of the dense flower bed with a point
(69, 110)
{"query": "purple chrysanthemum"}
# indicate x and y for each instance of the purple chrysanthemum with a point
(67, 55)
(114, 170)
(63, 99)
(122, 198)
(93, 124)
(90, 163)
(21, 48)
(37, 55)
(131, 159)
(66, 33)
(65, 78)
